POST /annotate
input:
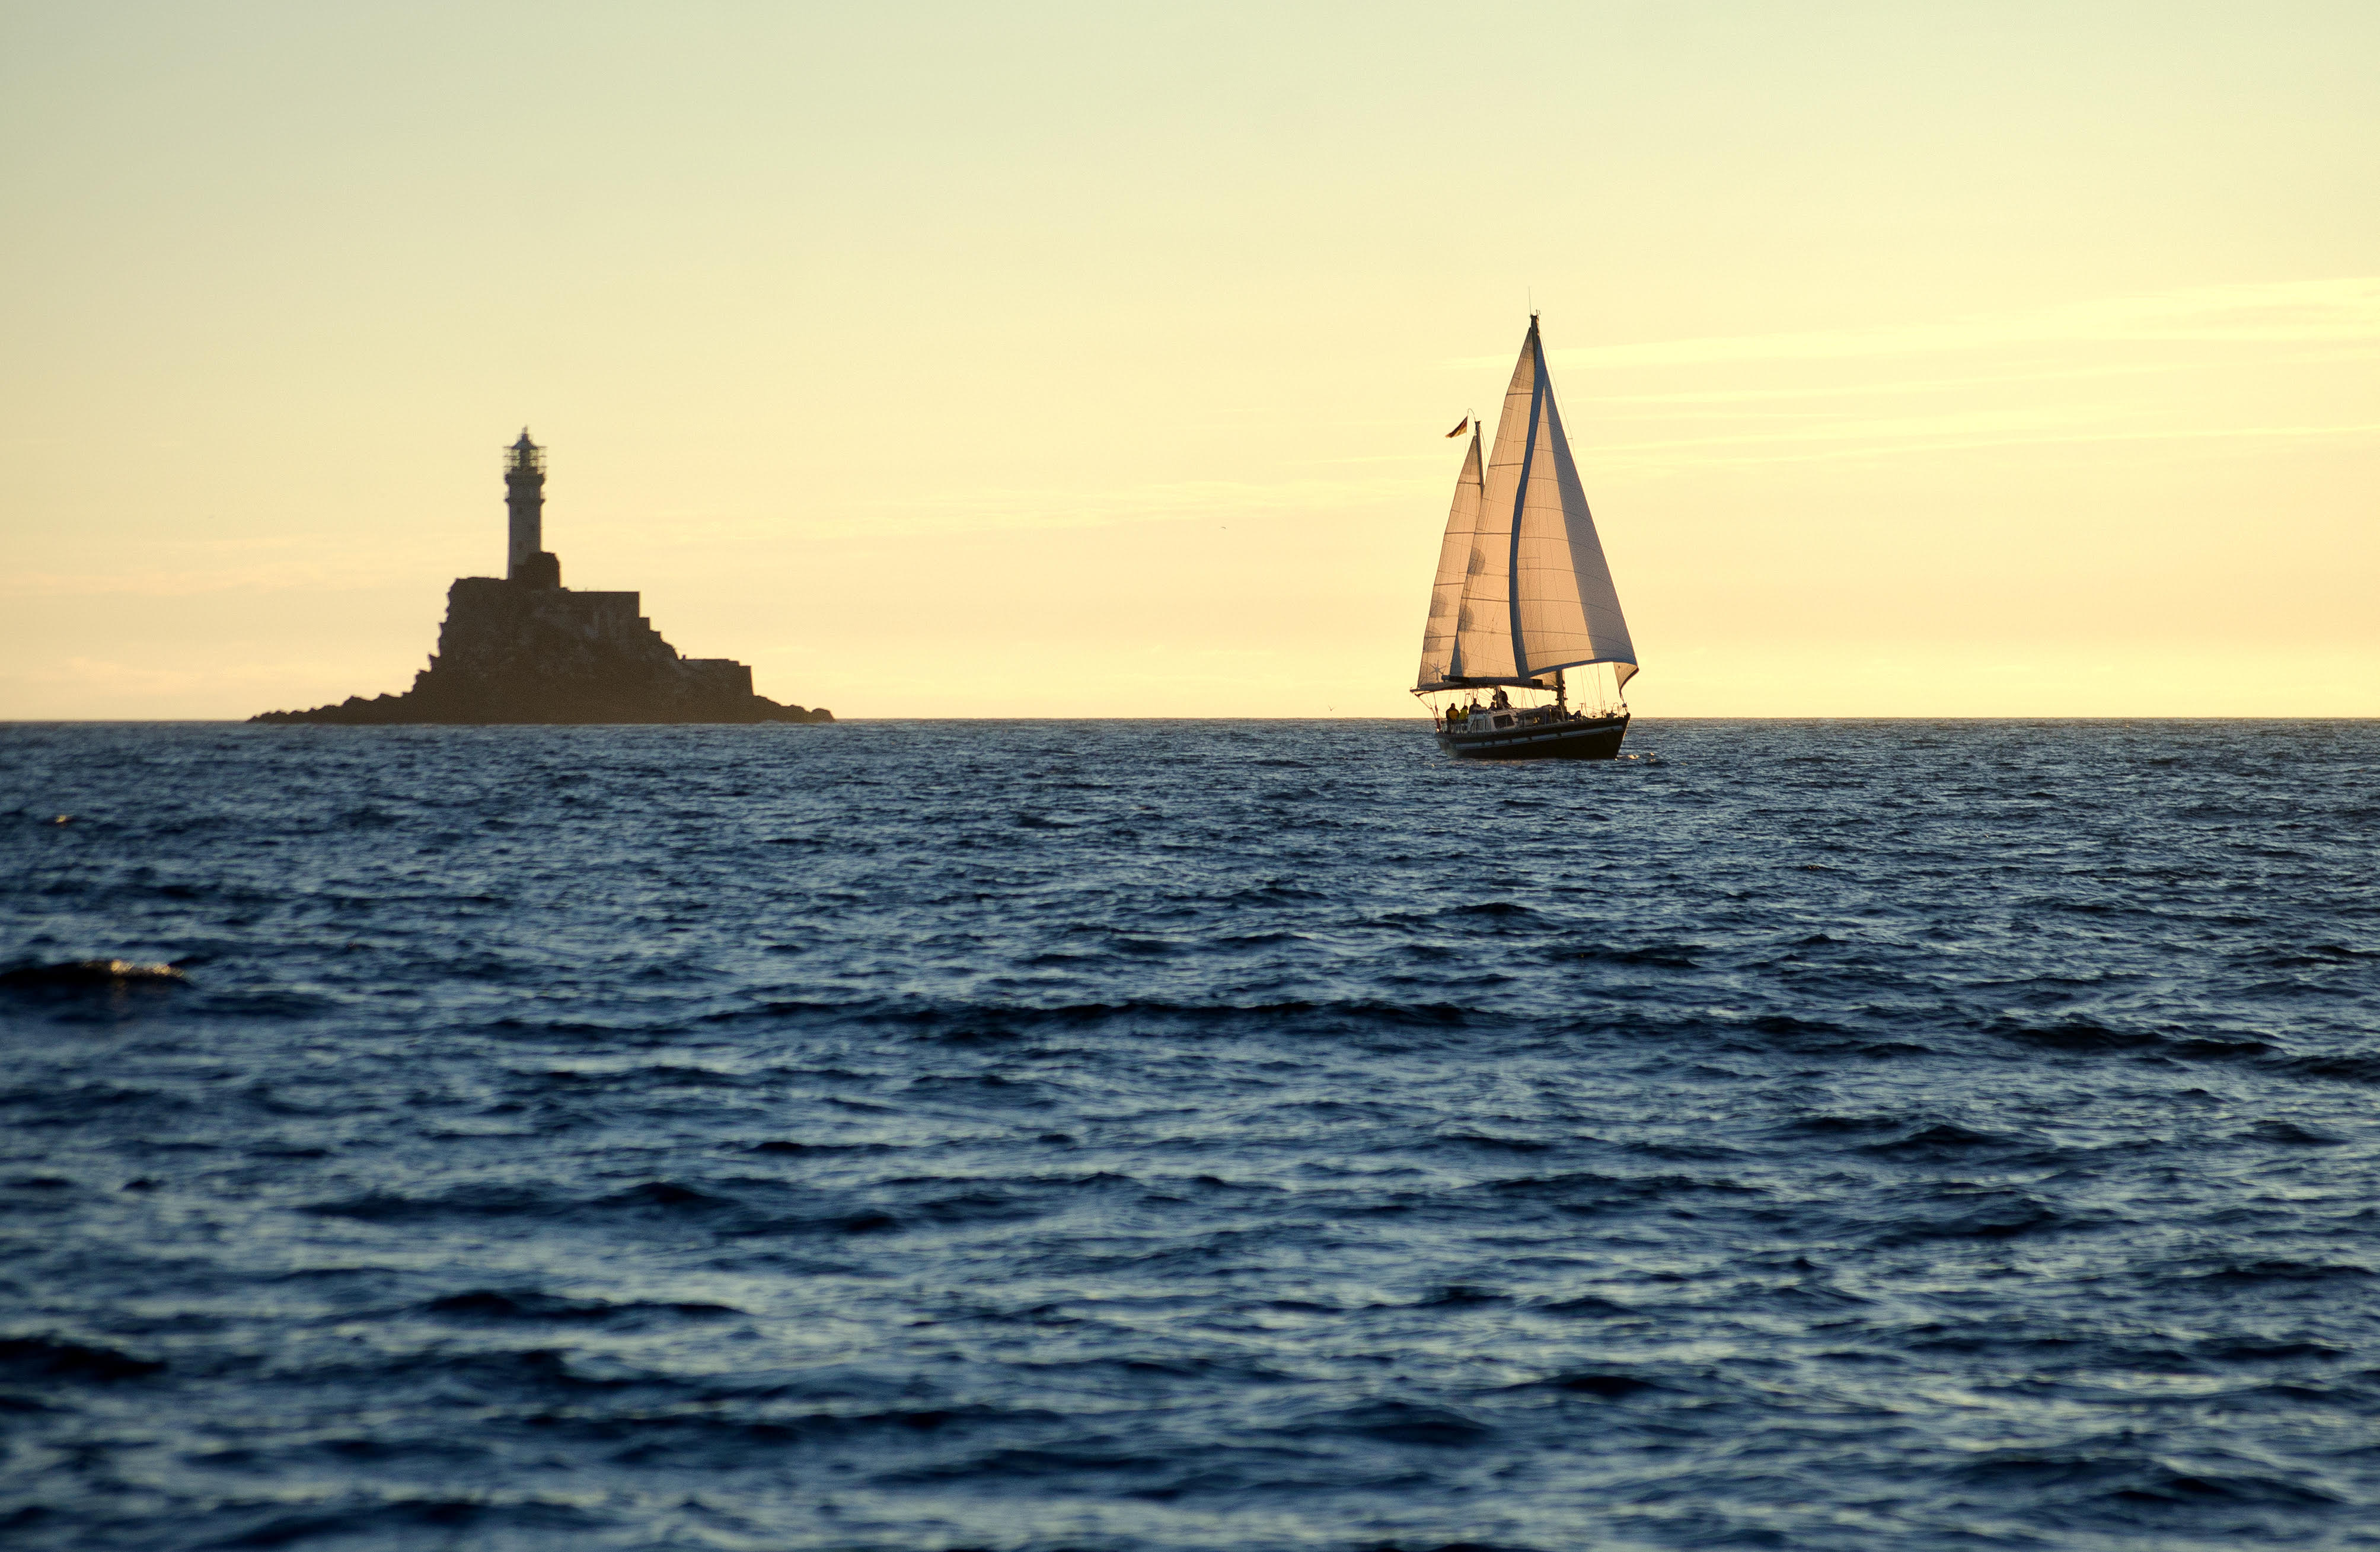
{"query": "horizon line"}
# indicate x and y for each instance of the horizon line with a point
(1740, 717)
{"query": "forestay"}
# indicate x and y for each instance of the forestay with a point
(1522, 589)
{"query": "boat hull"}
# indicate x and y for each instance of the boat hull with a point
(1587, 738)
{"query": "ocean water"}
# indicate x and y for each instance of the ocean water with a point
(1157, 1135)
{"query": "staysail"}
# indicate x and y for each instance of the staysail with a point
(1534, 593)
(1440, 659)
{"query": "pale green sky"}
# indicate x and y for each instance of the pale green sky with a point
(1996, 358)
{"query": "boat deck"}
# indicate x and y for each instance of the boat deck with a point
(1535, 733)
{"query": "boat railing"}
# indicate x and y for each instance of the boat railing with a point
(1490, 719)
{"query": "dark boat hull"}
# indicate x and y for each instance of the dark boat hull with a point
(1588, 738)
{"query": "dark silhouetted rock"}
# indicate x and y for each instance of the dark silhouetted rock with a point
(513, 651)
(88, 973)
(523, 648)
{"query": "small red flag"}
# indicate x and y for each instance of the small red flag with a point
(1464, 426)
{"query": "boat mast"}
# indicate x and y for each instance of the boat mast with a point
(1521, 498)
(1559, 609)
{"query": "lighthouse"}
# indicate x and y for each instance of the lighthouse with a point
(522, 648)
(526, 562)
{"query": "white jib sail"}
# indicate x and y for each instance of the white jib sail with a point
(1439, 660)
(1537, 595)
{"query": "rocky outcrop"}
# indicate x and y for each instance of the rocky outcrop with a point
(534, 652)
(86, 973)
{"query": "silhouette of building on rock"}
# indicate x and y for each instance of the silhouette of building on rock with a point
(525, 648)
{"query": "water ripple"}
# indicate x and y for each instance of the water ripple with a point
(1184, 1136)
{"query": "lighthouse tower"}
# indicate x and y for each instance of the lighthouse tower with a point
(526, 562)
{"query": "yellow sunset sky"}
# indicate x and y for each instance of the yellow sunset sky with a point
(1045, 360)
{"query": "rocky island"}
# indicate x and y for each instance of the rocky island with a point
(523, 648)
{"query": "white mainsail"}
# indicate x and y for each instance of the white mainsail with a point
(1536, 595)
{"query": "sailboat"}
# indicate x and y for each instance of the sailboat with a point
(1523, 597)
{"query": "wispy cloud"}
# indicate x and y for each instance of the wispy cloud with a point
(1669, 403)
(970, 511)
(347, 574)
(2204, 367)
(1933, 434)
(2300, 311)
(1007, 509)
(103, 673)
(234, 565)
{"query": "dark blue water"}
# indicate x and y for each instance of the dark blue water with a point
(1179, 1136)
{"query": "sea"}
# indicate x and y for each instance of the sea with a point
(1151, 1135)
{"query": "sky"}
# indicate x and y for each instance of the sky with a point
(1986, 359)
